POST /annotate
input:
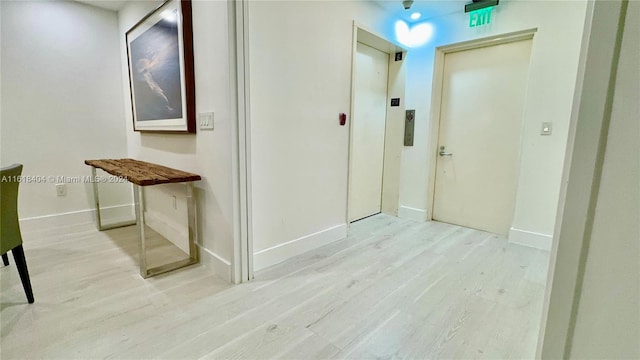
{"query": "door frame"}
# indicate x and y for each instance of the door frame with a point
(436, 96)
(242, 262)
(394, 122)
(581, 175)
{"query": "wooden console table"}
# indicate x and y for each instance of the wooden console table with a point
(140, 174)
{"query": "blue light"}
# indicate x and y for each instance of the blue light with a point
(415, 36)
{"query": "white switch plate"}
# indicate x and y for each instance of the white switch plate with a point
(545, 129)
(205, 120)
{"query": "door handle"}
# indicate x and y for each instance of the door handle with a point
(442, 153)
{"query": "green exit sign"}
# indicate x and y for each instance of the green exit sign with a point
(480, 17)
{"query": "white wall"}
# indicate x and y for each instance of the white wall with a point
(608, 315)
(552, 78)
(300, 73)
(300, 56)
(61, 101)
(591, 307)
(207, 153)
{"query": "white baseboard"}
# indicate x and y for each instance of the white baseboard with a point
(276, 254)
(530, 239)
(406, 212)
(220, 266)
(117, 214)
(110, 213)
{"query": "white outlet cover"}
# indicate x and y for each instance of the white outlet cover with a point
(61, 189)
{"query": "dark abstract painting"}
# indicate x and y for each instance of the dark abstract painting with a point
(155, 59)
(160, 54)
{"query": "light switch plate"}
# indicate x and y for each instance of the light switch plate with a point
(205, 121)
(545, 129)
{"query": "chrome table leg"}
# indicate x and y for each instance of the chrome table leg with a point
(96, 197)
(146, 272)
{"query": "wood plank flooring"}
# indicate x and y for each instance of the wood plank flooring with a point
(394, 288)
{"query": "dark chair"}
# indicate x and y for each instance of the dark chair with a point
(10, 236)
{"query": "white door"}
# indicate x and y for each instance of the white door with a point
(367, 137)
(481, 113)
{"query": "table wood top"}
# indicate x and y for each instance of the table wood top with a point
(142, 173)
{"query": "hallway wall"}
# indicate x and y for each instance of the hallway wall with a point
(615, 285)
(300, 68)
(552, 78)
(61, 104)
(208, 153)
(300, 64)
(591, 308)
(300, 81)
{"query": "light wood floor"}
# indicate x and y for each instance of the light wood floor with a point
(393, 289)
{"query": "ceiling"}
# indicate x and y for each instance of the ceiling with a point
(427, 8)
(114, 5)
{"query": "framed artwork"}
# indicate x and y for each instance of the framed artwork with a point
(161, 80)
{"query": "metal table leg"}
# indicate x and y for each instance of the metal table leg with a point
(139, 199)
(146, 272)
(192, 221)
(96, 197)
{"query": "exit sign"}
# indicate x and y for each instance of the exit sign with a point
(480, 17)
